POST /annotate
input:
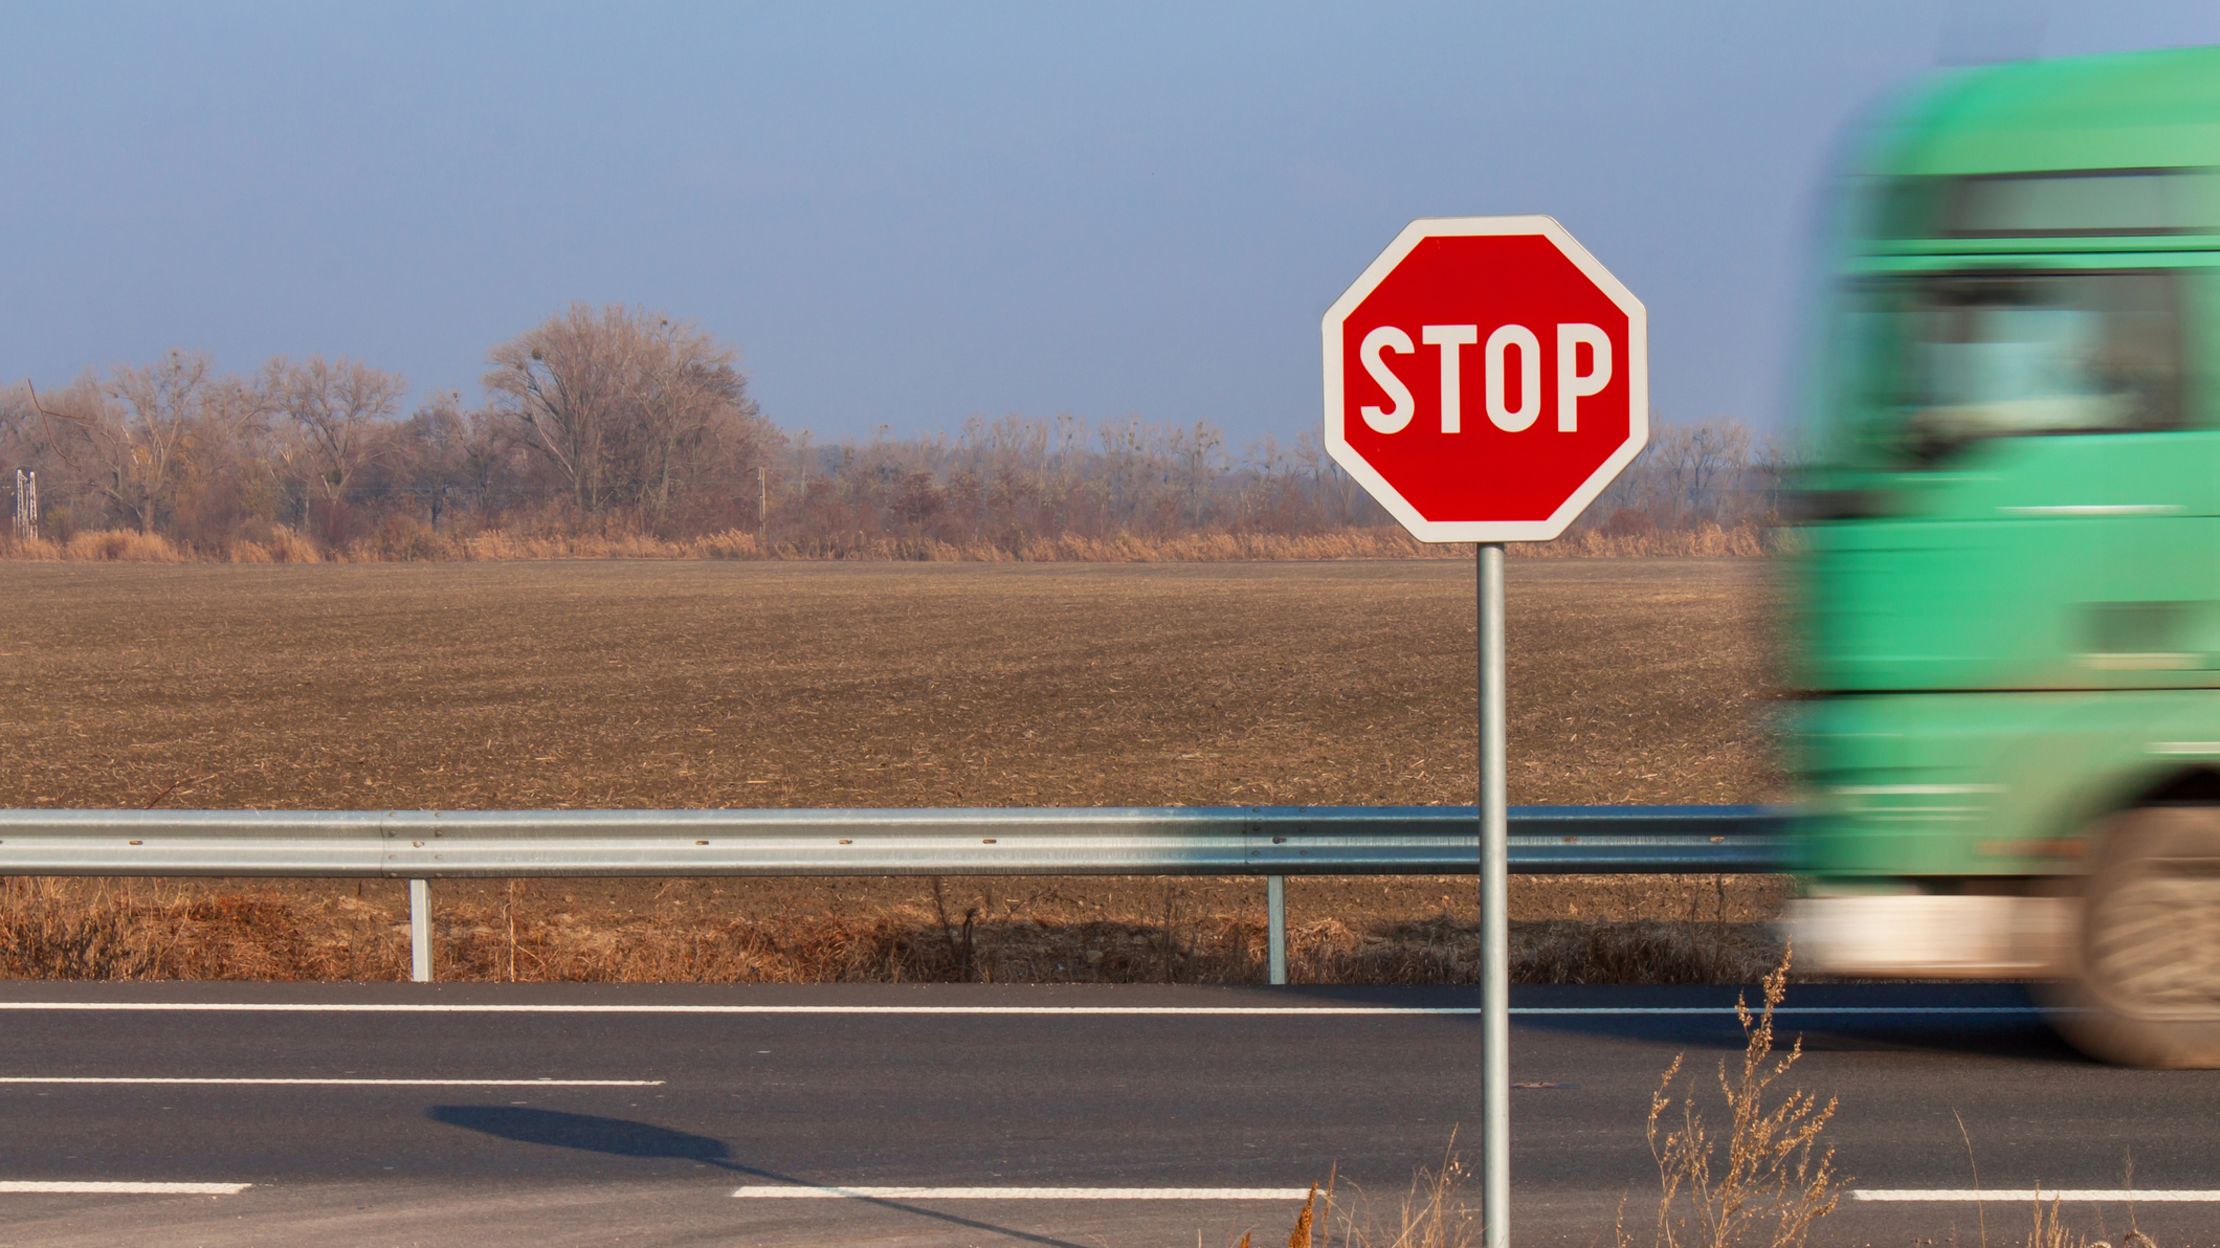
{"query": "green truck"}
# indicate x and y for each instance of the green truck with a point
(2007, 613)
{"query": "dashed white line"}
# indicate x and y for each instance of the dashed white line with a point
(787, 1191)
(2042, 1195)
(1245, 1011)
(22, 1187)
(337, 1083)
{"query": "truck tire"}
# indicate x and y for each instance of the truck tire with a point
(2143, 987)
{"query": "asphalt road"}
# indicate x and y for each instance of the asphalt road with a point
(602, 1114)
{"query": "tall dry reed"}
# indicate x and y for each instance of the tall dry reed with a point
(122, 546)
(276, 545)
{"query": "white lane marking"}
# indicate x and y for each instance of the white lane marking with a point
(1528, 1011)
(341, 1083)
(21, 1187)
(799, 1192)
(2030, 1195)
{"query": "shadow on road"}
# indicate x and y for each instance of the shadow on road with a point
(622, 1137)
(1978, 1039)
(2003, 1021)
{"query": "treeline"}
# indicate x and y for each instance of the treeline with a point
(618, 431)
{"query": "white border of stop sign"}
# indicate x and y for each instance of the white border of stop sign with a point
(1636, 366)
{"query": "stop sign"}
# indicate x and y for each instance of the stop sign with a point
(1485, 379)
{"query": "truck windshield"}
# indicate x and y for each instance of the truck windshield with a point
(1990, 355)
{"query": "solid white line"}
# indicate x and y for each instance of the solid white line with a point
(801, 1192)
(2029, 1195)
(28, 1188)
(343, 1083)
(1284, 1011)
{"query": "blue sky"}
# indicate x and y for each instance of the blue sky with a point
(910, 214)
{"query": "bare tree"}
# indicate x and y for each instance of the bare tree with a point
(1702, 460)
(1688, 475)
(342, 412)
(228, 477)
(1774, 467)
(128, 436)
(629, 407)
(18, 420)
(1200, 453)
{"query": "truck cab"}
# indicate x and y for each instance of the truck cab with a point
(2006, 629)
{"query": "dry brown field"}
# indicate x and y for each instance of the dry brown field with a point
(692, 683)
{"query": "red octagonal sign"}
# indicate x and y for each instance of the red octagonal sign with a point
(1486, 378)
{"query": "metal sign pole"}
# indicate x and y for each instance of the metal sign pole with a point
(1495, 928)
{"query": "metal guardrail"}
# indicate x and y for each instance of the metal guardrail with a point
(1203, 840)
(1271, 841)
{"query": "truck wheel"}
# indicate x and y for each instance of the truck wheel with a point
(2144, 985)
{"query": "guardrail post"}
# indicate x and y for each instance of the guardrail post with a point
(1275, 911)
(420, 931)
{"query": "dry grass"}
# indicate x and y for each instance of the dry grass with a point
(52, 929)
(2051, 1229)
(406, 541)
(1766, 1178)
(1432, 1214)
(70, 929)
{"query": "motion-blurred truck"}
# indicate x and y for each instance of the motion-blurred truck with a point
(2009, 567)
